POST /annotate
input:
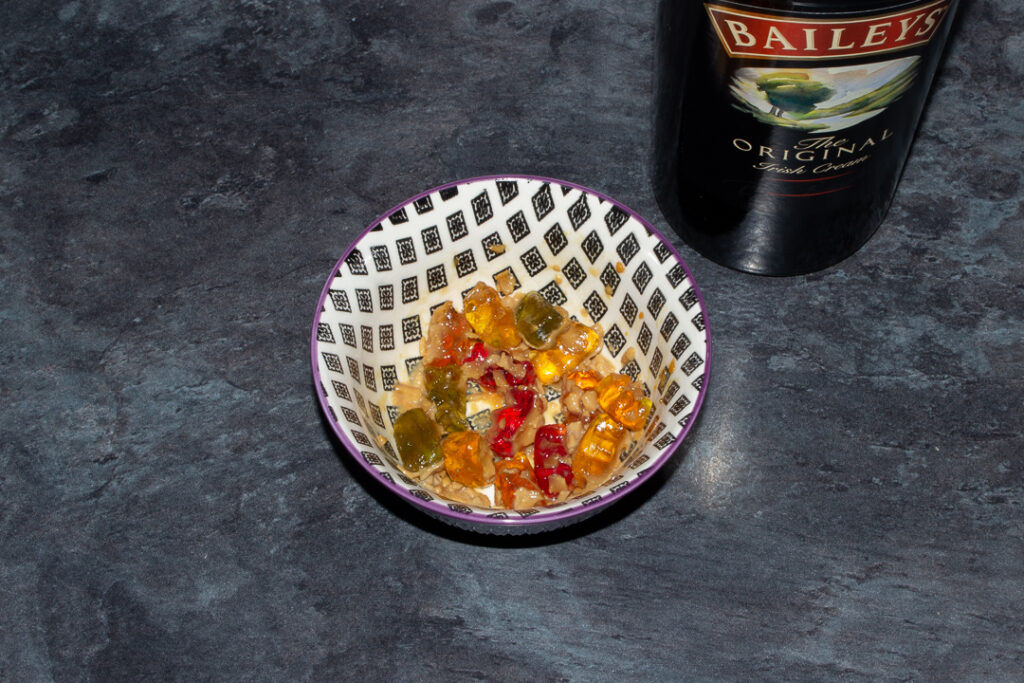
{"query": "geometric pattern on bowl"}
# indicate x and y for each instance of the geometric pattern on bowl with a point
(583, 251)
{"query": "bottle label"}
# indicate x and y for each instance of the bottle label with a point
(777, 78)
(763, 36)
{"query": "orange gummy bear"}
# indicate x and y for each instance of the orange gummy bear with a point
(584, 379)
(465, 461)
(489, 318)
(598, 450)
(624, 400)
(447, 342)
(516, 483)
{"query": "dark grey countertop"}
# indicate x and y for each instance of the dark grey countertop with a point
(176, 182)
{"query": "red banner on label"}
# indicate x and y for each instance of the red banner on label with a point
(750, 34)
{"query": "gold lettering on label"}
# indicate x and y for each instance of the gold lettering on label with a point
(765, 36)
(740, 35)
(775, 36)
(876, 35)
(930, 21)
(828, 167)
(820, 142)
(837, 37)
(809, 34)
(828, 152)
(779, 168)
(906, 25)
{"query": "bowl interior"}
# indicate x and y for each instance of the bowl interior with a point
(581, 250)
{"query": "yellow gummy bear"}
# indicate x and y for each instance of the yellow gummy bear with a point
(489, 318)
(573, 346)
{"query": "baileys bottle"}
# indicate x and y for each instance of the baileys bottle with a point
(783, 126)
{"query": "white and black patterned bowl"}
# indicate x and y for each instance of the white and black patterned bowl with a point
(582, 250)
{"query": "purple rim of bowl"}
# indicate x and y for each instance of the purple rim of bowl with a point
(541, 518)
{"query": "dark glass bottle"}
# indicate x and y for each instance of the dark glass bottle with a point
(782, 126)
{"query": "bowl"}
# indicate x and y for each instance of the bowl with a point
(582, 250)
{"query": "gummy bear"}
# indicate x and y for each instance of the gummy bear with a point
(514, 482)
(509, 419)
(418, 439)
(465, 461)
(444, 391)
(573, 345)
(551, 460)
(624, 401)
(489, 318)
(446, 341)
(598, 449)
(584, 379)
(537, 320)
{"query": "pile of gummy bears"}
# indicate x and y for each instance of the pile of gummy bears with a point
(560, 417)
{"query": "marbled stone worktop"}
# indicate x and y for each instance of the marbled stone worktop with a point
(177, 180)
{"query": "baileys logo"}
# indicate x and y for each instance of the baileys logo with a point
(763, 36)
